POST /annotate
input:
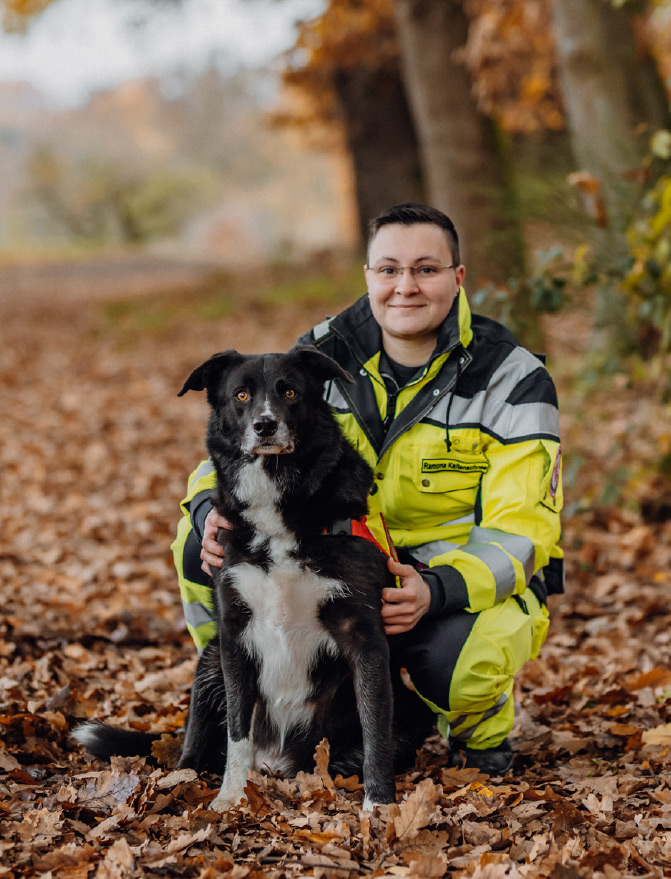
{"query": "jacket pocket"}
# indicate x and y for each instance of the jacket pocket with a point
(450, 475)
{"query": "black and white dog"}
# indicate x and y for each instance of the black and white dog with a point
(301, 652)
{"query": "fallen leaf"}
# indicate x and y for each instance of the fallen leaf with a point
(322, 756)
(622, 729)
(417, 810)
(659, 735)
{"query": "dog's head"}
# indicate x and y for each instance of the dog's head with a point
(267, 400)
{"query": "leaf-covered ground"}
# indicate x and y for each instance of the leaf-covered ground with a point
(94, 451)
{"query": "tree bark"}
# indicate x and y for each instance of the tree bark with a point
(381, 137)
(646, 96)
(596, 96)
(603, 107)
(466, 168)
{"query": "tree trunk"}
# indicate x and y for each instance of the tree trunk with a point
(596, 96)
(381, 138)
(465, 165)
(646, 95)
(591, 46)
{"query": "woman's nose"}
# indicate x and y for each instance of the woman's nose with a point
(407, 283)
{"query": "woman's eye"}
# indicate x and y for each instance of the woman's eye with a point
(290, 393)
(242, 396)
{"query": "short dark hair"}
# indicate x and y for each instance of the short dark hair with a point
(412, 213)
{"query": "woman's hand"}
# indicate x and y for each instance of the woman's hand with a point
(212, 552)
(403, 608)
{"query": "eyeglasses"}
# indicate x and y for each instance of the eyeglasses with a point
(424, 273)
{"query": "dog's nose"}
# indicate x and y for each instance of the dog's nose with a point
(265, 425)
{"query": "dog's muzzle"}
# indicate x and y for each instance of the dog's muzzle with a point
(269, 436)
(265, 426)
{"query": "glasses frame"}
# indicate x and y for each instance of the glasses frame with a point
(397, 271)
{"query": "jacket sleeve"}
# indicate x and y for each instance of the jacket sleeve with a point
(194, 584)
(516, 519)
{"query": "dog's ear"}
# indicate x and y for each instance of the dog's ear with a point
(203, 376)
(320, 364)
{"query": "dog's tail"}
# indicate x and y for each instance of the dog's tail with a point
(104, 741)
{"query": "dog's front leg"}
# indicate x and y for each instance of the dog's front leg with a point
(372, 686)
(241, 693)
(206, 723)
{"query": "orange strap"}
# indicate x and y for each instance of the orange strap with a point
(359, 528)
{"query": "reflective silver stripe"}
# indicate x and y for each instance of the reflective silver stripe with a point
(204, 469)
(514, 544)
(502, 419)
(427, 551)
(322, 329)
(488, 408)
(517, 366)
(196, 614)
(520, 421)
(498, 563)
(489, 713)
(334, 398)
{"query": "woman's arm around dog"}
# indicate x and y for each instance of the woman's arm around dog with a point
(212, 552)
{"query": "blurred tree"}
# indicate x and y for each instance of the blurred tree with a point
(466, 161)
(611, 101)
(76, 216)
(510, 53)
(103, 201)
(607, 97)
(346, 63)
(631, 40)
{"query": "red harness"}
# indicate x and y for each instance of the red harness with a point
(359, 528)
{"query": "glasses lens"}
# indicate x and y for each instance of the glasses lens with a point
(423, 272)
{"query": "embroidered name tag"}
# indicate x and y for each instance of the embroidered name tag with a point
(439, 465)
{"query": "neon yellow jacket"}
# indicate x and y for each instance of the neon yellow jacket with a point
(468, 466)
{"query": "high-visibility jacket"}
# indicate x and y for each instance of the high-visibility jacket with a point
(468, 469)
(467, 461)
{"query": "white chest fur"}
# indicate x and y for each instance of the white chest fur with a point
(284, 635)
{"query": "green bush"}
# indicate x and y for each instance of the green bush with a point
(649, 278)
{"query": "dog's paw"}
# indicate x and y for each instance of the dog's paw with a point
(223, 802)
(368, 805)
(378, 798)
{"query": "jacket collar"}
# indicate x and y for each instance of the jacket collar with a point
(358, 332)
(357, 327)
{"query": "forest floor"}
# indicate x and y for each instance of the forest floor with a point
(95, 448)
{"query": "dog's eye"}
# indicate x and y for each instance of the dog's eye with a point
(242, 396)
(290, 393)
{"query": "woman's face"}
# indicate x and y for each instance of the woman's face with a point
(411, 306)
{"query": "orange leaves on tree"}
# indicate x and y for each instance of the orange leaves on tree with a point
(16, 13)
(510, 53)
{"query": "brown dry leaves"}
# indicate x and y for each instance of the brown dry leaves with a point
(95, 451)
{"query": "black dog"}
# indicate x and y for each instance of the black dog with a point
(301, 652)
